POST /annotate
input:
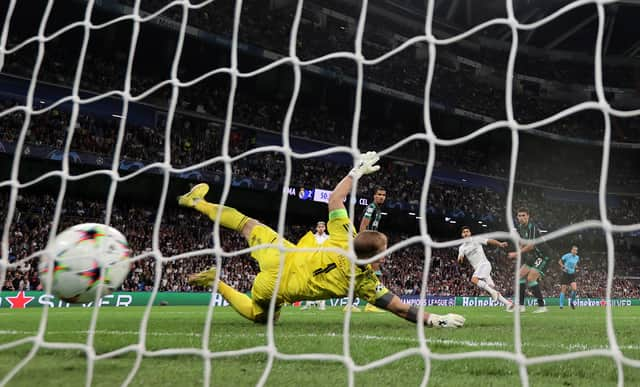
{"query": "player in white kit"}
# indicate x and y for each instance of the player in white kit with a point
(316, 239)
(473, 251)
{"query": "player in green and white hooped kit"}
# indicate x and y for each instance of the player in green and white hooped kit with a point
(370, 221)
(373, 213)
(534, 257)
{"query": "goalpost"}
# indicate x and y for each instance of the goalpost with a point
(30, 108)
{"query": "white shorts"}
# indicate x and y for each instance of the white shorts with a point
(483, 271)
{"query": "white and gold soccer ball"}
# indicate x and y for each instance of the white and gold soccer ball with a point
(82, 258)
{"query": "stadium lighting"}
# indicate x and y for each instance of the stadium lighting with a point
(479, 222)
(412, 213)
(464, 180)
(452, 221)
(116, 116)
(484, 225)
(418, 217)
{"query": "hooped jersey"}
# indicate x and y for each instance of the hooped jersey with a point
(374, 214)
(540, 250)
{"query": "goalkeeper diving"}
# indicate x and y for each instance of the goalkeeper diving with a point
(309, 275)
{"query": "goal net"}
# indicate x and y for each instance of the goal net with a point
(90, 121)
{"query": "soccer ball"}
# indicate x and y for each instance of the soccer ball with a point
(83, 258)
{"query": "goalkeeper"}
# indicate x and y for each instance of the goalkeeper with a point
(309, 275)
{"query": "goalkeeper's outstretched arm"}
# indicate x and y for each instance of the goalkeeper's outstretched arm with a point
(410, 313)
(364, 166)
(369, 243)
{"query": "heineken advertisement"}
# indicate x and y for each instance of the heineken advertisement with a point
(550, 301)
(17, 300)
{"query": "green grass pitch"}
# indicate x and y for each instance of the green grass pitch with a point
(371, 338)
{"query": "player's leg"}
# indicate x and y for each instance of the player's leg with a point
(524, 272)
(254, 232)
(563, 290)
(238, 300)
(229, 217)
(482, 272)
(242, 303)
(261, 293)
(268, 258)
(482, 284)
(500, 297)
(322, 305)
(532, 281)
(522, 282)
(574, 290)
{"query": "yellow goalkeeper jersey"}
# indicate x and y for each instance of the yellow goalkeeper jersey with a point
(313, 275)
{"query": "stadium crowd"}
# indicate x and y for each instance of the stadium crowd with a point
(183, 231)
(454, 86)
(197, 136)
(196, 140)
(270, 28)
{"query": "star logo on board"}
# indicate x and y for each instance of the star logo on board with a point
(19, 301)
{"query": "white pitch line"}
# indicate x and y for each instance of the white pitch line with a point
(439, 341)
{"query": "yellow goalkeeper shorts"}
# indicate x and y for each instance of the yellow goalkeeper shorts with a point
(269, 260)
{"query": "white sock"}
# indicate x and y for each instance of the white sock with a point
(484, 286)
(503, 300)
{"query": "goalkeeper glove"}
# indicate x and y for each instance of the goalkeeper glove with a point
(365, 165)
(447, 321)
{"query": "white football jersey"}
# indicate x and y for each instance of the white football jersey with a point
(473, 251)
(321, 238)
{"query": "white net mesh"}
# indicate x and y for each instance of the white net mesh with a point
(271, 349)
